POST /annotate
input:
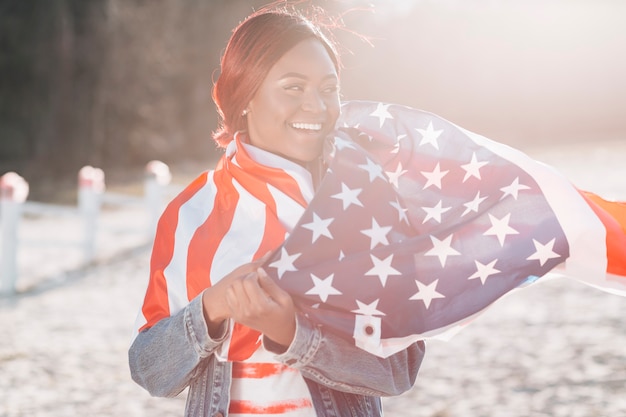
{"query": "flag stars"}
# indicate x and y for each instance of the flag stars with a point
(401, 210)
(285, 263)
(373, 169)
(377, 234)
(442, 249)
(543, 252)
(348, 196)
(341, 143)
(484, 271)
(382, 112)
(500, 228)
(319, 227)
(427, 293)
(472, 169)
(513, 189)
(382, 268)
(430, 135)
(370, 309)
(434, 177)
(474, 204)
(394, 176)
(323, 287)
(435, 212)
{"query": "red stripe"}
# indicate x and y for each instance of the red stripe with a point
(207, 238)
(156, 303)
(249, 407)
(250, 174)
(258, 370)
(613, 216)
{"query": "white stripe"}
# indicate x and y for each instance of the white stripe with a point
(244, 237)
(191, 215)
(288, 385)
(300, 174)
(288, 210)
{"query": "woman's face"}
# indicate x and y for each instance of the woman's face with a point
(297, 104)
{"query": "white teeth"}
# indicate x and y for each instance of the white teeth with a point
(307, 126)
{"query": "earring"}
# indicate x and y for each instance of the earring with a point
(245, 112)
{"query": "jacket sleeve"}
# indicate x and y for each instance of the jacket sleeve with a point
(338, 364)
(164, 358)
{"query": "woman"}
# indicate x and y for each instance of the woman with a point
(212, 320)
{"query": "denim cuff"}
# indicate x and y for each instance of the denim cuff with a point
(304, 345)
(198, 330)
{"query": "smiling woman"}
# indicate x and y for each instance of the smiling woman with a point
(212, 320)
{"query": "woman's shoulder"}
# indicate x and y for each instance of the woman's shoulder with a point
(201, 187)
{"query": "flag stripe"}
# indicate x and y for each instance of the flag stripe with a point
(613, 216)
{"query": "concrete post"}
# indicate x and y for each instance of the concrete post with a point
(13, 193)
(157, 177)
(90, 189)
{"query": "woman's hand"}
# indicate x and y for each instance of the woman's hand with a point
(259, 303)
(216, 310)
(250, 297)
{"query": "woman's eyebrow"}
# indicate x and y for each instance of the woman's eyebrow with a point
(304, 77)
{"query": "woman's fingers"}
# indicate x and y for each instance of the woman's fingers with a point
(279, 295)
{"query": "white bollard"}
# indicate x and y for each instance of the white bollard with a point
(90, 190)
(13, 193)
(157, 177)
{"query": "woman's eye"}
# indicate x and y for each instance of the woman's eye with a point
(293, 87)
(331, 89)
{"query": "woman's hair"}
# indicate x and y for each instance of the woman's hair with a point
(254, 47)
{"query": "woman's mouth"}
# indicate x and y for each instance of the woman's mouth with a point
(310, 127)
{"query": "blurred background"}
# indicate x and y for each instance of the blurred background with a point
(117, 83)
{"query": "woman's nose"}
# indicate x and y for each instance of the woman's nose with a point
(314, 102)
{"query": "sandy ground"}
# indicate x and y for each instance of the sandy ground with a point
(555, 349)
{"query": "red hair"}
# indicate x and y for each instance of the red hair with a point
(254, 47)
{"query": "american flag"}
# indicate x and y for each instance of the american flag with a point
(419, 225)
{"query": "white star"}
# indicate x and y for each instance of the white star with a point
(377, 234)
(341, 255)
(323, 287)
(382, 113)
(401, 210)
(484, 271)
(543, 252)
(341, 143)
(368, 309)
(435, 212)
(285, 263)
(395, 175)
(472, 169)
(373, 169)
(434, 177)
(473, 205)
(430, 135)
(348, 196)
(513, 189)
(319, 227)
(426, 293)
(500, 228)
(382, 268)
(442, 249)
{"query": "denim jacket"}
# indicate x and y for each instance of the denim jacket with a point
(343, 380)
